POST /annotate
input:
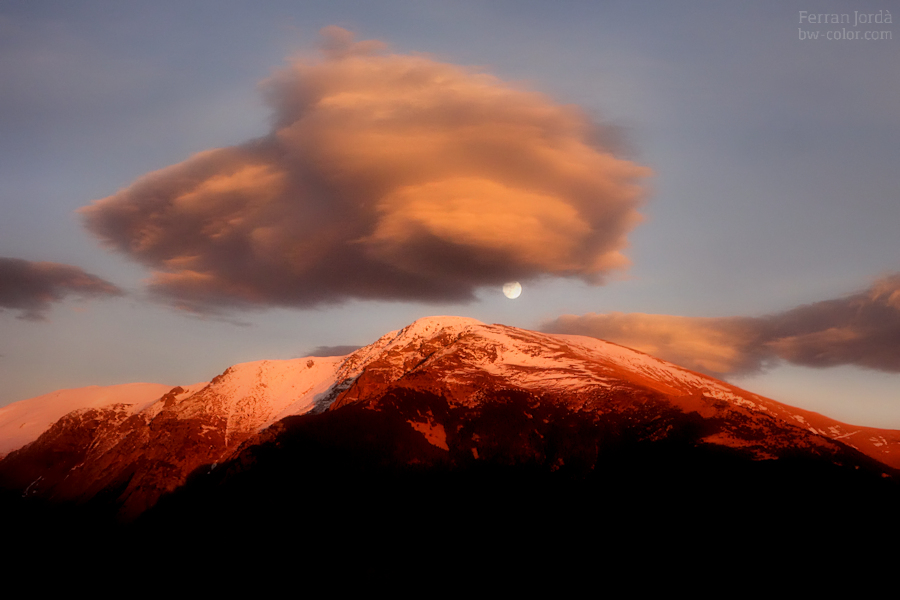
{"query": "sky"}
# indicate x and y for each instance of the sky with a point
(189, 185)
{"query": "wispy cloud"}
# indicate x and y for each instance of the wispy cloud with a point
(332, 350)
(31, 287)
(862, 329)
(384, 177)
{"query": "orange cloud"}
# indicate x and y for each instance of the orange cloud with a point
(714, 346)
(385, 176)
(32, 286)
(862, 329)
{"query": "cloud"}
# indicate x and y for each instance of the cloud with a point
(715, 346)
(862, 330)
(332, 350)
(32, 286)
(384, 177)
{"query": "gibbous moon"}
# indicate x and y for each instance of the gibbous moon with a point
(512, 289)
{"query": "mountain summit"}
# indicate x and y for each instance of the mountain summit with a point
(415, 426)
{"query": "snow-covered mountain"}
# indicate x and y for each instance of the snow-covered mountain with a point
(437, 381)
(23, 422)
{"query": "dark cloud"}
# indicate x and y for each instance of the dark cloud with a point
(332, 350)
(384, 177)
(862, 330)
(32, 286)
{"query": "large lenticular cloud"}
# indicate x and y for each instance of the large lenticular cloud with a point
(31, 287)
(862, 330)
(385, 177)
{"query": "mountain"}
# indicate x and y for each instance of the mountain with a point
(23, 422)
(437, 427)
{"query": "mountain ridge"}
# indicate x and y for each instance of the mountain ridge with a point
(133, 454)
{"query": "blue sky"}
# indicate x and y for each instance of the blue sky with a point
(774, 180)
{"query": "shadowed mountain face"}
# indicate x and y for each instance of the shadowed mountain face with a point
(452, 437)
(521, 488)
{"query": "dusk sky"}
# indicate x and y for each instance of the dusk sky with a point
(189, 185)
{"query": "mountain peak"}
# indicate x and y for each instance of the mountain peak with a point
(429, 325)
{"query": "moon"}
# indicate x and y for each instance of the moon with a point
(512, 290)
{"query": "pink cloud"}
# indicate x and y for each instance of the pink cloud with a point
(862, 329)
(385, 177)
